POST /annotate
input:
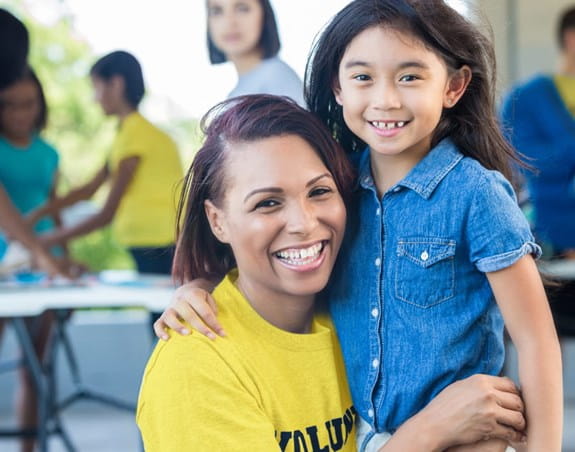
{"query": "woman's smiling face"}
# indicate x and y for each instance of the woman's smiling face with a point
(282, 215)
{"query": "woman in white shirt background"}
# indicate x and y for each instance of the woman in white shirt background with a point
(245, 33)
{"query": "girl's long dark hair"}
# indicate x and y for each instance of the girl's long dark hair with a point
(472, 123)
(243, 119)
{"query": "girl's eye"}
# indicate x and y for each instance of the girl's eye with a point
(362, 78)
(243, 8)
(267, 204)
(319, 191)
(408, 78)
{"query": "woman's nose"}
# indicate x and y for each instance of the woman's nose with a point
(301, 219)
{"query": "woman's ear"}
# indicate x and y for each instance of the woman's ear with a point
(456, 86)
(216, 219)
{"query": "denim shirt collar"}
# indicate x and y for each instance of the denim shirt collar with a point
(425, 176)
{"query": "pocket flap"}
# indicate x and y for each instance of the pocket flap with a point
(426, 251)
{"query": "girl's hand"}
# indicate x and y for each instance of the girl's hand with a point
(192, 305)
(478, 408)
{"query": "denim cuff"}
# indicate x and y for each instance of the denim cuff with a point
(501, 261)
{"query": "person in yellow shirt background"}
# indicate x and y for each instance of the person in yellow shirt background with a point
(144, 169)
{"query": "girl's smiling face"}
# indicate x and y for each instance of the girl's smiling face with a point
(393, 90)
(283, 217)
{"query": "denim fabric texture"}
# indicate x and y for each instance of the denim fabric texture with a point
(409, 296)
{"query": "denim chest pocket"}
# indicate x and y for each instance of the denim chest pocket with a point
(425, 271)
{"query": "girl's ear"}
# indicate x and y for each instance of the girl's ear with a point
(216, 219)
(456, 86)
(336, 89)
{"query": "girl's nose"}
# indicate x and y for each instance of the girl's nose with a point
(387, 97)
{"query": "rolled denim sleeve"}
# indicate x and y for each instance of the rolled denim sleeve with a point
(498, 232)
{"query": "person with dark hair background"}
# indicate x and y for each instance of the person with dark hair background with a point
(144, 168)
(29, 173)
(14, 42)
(539, 117)
(245, 32)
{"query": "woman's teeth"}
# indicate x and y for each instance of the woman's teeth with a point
(301, 256)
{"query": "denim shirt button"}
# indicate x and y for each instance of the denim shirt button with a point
(377, 262)
(378, 211)
(370, 412)
(424, 256)
(396, 189)
(375, 363)
(374, 312)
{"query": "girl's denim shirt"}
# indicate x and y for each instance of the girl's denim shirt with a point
(409, 296)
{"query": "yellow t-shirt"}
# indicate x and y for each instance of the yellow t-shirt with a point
(259, 389)
(146, 216)
(566, 87)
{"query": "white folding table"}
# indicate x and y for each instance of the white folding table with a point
(18, 304)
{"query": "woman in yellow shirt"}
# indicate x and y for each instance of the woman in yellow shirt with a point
(144, 169)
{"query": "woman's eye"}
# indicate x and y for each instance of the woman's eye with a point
(242, 8)
(266, 204)
(408, 78)
(214, 11)
(320, 191)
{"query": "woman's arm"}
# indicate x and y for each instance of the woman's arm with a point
(121, 181)
(521, 297)
(12, 222)
(467, 411)
(55, 205)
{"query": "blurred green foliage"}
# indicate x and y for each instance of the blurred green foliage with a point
(76, 126)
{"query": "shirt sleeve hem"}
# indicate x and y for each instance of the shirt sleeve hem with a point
(504, 260)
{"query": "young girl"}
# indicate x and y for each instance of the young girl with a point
(28, 172)
(245, 33)
(144, 168)
(437, 253)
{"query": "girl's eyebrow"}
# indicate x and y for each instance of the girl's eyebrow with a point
(353, 63)
(280, 190)
(406, 64)
(415, 63)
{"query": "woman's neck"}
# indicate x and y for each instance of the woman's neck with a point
(124, 111)
(567, 66)
(289, 313)
(246, 62)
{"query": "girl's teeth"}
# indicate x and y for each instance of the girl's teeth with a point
(388, 125)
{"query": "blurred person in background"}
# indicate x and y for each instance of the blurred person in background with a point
(539, 116)
(245, 33)
(14, 43)
(29, 173)
(144, 169)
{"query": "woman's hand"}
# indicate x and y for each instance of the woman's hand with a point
(478, 408)
(192, 305)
